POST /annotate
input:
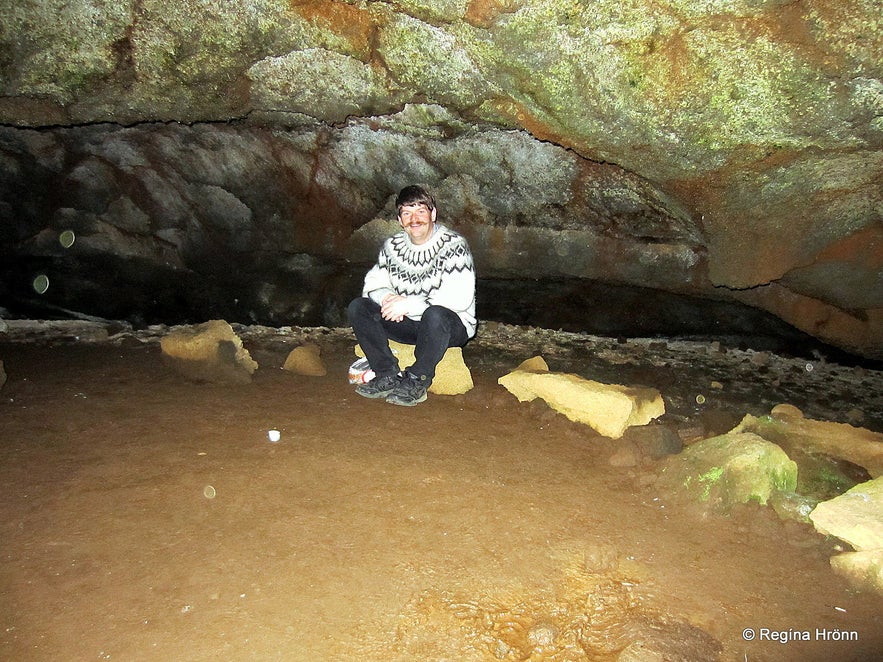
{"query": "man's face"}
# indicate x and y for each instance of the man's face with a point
(418, 221)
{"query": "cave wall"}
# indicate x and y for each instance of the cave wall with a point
(240, 158)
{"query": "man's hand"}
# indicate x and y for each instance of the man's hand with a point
(393, 307)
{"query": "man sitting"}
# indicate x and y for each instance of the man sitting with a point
(421, 292)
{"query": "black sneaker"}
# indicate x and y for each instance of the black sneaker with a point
(411, 390)
(379, 387)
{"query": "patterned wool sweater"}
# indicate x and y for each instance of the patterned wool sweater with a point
(438, 273)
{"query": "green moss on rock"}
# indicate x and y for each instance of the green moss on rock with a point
(730, 469)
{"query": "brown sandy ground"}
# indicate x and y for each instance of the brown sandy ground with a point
(468, 528)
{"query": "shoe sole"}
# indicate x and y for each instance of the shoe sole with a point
(375, 396)
(404, 403)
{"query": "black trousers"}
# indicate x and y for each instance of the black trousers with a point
(438, 329)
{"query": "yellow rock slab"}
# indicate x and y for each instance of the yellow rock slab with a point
(452, 375)
(856, 516)
(609, 409)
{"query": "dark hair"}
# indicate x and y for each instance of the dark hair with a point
(414, 195)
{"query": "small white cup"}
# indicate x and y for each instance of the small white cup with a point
(274, 435)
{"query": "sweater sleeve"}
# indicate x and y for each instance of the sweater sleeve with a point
(377, 282)
(456, 290)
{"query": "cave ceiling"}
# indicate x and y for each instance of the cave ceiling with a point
(240, 158)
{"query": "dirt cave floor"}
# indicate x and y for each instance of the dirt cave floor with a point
(148, 517)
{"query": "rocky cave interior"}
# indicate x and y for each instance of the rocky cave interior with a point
(702, 170)
(709, 169)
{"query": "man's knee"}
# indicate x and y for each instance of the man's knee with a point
(439, 317)
(444, 321)
(357, 308)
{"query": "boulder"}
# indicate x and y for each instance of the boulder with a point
(306, 360)
(787, 427)
(209, 352)
(730, 469)
(452, 375)
(609, 409)
(856, 517)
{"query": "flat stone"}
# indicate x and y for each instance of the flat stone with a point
(306, 360)
(209, 352)
(609, 409)
(856, 516)
(452, 375)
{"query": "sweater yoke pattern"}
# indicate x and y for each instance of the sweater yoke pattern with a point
(420, 272)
